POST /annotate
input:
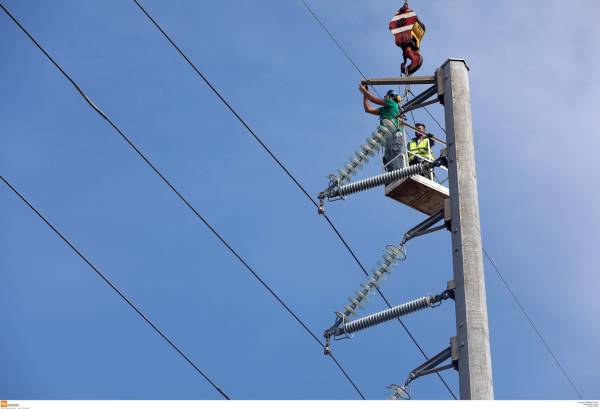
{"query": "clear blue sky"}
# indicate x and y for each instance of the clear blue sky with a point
(535, 75)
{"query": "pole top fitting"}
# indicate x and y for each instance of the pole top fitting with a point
(457, 60)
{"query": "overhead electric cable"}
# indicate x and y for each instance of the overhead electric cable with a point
(254, 135)
(284, 168)
(430, 115)
(183, 199)
(516, 300)
(336, 42)
(318, 20)
(519, 305)
(116, 289)
(486, 254)
(218, 94)
(344, 242)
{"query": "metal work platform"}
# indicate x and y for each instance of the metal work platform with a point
(420, 193)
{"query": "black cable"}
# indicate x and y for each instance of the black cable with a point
(233, 111)
(115, 288)
(486, 254)
(431, 115)
(311, 11)
(183, 199)
(339, 46)
(410, 335)
(513, 295)
(281, 165)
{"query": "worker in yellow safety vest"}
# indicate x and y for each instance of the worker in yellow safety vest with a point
(419, 148)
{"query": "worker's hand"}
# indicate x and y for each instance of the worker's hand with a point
(430, 135)
(362, 88)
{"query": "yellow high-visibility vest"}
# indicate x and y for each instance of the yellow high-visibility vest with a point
(420, 148)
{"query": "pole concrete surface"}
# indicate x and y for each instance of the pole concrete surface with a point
(474, 364)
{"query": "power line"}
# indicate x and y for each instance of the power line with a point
(350, 60)
(254, 135)
(430, 115)
(318, 20)
(312, 12)
(115, 288)
(516, 300)
(514, 297)
(281, 165)
(183, 199)
(218, 94)
(336, 42)
(486, 254)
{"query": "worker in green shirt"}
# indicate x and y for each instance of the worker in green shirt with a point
(392, 158)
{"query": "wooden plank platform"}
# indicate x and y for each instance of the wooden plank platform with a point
(418, 192)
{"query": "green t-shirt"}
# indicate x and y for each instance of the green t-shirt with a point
(389, 110)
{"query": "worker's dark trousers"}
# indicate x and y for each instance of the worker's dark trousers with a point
(394, 149)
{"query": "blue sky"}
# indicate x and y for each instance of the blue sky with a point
(534, 83)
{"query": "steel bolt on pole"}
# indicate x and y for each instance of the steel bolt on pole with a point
(474, 365)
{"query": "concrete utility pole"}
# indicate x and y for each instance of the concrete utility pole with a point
(457, 204)
(474, 364)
